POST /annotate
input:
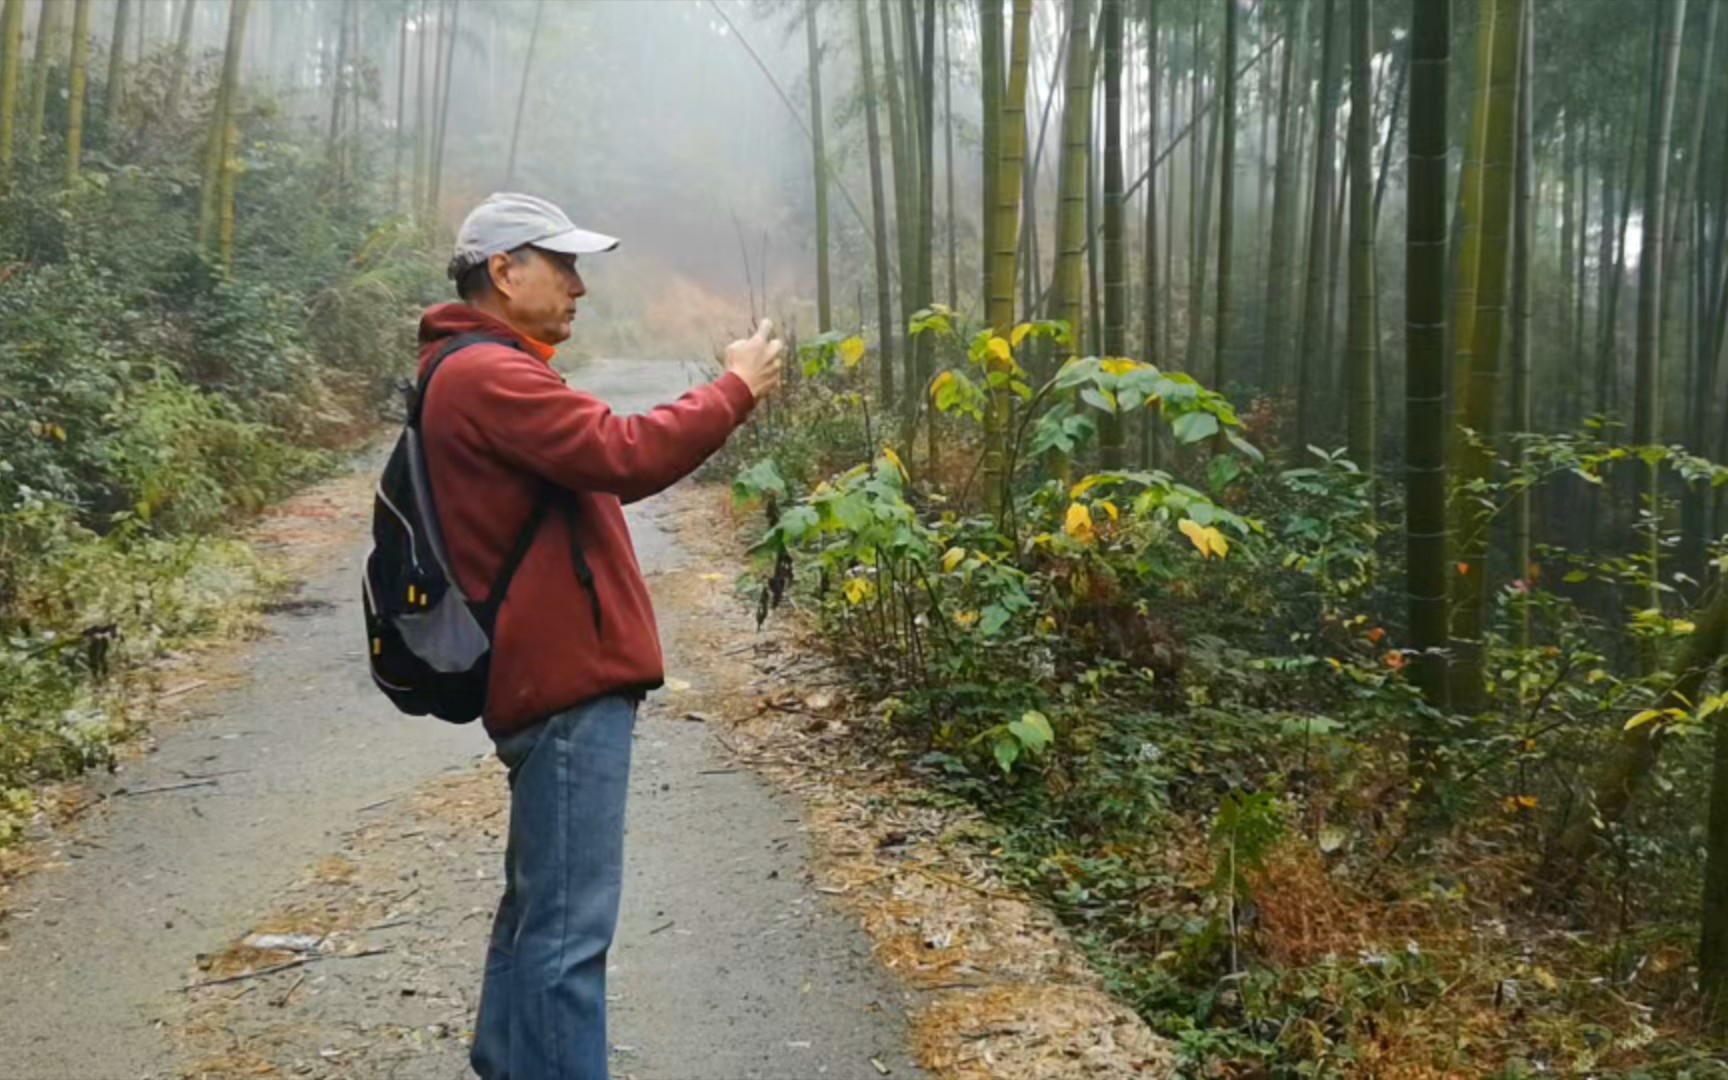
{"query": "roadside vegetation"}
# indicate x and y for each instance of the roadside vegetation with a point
(203, 302)
(1352, 734)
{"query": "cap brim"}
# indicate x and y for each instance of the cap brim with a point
(578, 242)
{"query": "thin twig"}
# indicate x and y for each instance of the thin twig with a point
(299, 961)
(288, 965)
(168, 787)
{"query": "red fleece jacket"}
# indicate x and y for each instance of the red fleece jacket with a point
(498, 422)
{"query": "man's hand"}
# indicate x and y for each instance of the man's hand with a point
(756, 360)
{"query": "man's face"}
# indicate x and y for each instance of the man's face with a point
(538, 291)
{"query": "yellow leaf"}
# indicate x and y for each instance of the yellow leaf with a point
(942, 380)
(953, 557)
(1206, 540)
(999, 349)
(1019, 334)
(852, 351)
(1085, 485)
(1110, 508)
(1647, 716)
(894, 459)
(966, 619)
(59, 434)
(857, 590)
(1679, 627)
(1078, 524)
(1119, 366)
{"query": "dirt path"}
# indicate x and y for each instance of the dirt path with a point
(298, 803)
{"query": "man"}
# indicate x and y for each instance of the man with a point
(572, 652)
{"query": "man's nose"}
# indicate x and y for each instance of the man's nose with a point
(577, 288)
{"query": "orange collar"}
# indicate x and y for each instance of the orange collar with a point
(538, 349)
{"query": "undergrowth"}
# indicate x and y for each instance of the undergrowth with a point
(150, 403)
(1177, 692)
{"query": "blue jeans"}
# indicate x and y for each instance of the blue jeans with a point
(543, 1006)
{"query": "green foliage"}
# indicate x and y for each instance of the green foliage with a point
(148, 403)
(1174, 694)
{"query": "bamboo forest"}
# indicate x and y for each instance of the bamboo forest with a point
(1234, 583)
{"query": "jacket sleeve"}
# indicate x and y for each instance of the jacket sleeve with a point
(536, 423)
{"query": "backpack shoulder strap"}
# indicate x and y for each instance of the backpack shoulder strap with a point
(488, 611)
(449, 348)
(550, 496)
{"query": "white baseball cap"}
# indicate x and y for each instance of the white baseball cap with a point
(508, 220)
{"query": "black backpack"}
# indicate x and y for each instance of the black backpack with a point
(429, 646)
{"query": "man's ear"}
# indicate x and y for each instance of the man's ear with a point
(501, 266)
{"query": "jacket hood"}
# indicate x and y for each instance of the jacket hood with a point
(443, 321)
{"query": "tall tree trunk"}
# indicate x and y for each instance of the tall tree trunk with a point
(1071, 196)
(824, 303)
(1094, 195)
(948, 160)
(1263, 161)
(927, 210)
(1716, 341)
(115, 92)
(1226, 201)
(1692, 149)
(905, 210)
(77, 83)
(11, 65)
(42, 73)
(1314, 315)
(1332, 372)
(879, 210)
(339, 88)
(422, 111)
(1196, 228)
(990, 75)
(1646, 409)
(435, 183)
(1479, 392)
(1009, 168)
(401, 109)
(1115, 341)
(1203, 243)
(1426, 421)
(1362, 344)
(1695, 517)
(225, 195)
(522, 106)
(1523, 245)
(1568, 282)
(1283, 205)
(1581, 278)
(216, 144)
(1151, 317)
(1167, 297)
